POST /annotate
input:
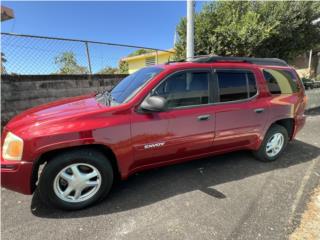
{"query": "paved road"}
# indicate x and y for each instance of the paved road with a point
(226, 197)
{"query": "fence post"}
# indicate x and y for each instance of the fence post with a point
(88, 57)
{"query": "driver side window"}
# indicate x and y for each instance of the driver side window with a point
(185, 89)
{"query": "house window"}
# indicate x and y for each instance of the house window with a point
(150, 61)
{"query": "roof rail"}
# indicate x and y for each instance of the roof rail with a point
(185, 60)
(175, 61)
(258, 61)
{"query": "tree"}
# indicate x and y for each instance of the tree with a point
(123, 67)
(109, 70)
(67, 63)
(3, 61)
(140, 51)
(262, 29)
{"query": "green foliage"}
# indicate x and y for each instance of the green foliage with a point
(140, 51)
(67, 63)
(109, 70)
(123, 67)
(263, 29)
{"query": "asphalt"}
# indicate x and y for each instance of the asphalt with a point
(224, 197)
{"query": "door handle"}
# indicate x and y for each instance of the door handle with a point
(259, 110)
(204, 117)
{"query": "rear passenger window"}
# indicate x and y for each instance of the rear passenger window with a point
(280, 81)
(252, 84)
(185, 89)
(236, 85)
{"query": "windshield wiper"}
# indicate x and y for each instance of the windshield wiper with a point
(104, 97)
(107, 95)
(109, 98)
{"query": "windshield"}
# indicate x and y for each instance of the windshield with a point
(130, 85)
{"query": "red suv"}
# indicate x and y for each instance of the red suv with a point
(157, 116)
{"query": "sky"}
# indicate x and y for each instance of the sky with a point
(149, 24)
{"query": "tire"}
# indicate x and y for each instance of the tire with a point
(76, 169)
(262, 154)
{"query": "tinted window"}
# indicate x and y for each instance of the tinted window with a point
(130, 85)
(252, 84)
(280, 81)
(235, 85)
(185, 89)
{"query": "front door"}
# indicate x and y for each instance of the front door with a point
(185, 129)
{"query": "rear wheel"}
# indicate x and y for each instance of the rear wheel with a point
(273, 144)
(76, 179)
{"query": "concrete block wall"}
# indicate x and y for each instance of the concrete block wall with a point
(20, 92)
(313, 97)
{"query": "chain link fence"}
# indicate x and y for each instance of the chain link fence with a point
(38, 55)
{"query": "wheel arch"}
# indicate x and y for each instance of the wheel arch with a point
(47, 156)
(287, 123)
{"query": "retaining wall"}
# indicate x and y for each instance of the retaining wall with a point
(21, 92)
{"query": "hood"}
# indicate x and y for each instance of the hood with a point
(56, 111)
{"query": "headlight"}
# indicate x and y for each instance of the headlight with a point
(12, 147)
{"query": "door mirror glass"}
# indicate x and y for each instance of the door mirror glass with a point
(154, 104)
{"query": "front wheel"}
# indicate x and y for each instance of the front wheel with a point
(273, 144)
(76, 179)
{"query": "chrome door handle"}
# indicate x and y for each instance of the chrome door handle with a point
(204, 117)
(259, 110)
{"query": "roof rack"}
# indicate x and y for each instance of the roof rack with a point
(258, 61)
(185, 60)
(175, 61)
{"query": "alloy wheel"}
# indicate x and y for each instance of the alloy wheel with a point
(77, 182)
(274, 144)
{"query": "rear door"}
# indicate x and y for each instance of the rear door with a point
(241, 114)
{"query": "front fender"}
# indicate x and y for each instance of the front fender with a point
(119, 143)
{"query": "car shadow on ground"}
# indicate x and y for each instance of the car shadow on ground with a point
(313, 112)
(155, 185)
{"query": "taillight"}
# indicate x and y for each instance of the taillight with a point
(305, 99)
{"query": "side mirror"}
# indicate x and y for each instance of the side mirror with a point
(154, 104)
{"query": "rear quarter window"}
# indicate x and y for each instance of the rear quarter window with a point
(281, 81)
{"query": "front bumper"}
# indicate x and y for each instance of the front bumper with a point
(16, 176)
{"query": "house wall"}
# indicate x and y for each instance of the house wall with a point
(301, 64)
(137, 63)
(164, 58)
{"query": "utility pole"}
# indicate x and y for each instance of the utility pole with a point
(190, 30)
(309, 63)
(314, 22)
